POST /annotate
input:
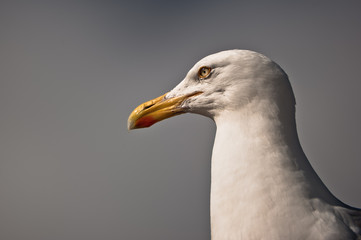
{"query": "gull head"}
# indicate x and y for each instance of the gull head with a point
(225, 81)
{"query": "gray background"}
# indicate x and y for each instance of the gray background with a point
(72, 71)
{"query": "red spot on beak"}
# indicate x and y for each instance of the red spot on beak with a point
(144, 122)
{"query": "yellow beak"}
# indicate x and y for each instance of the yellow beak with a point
(148, 113)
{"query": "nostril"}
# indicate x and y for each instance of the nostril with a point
(146, 107)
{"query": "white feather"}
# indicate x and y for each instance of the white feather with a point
(263, 186)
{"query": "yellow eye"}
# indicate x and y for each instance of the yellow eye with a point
(204, 72)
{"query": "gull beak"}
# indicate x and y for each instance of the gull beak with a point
(148, 113)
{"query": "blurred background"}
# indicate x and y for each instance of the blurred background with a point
(72, 71)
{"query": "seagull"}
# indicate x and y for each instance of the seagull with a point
(262, 185)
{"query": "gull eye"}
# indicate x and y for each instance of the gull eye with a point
(204, 72)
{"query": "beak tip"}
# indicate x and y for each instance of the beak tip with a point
(130, 125)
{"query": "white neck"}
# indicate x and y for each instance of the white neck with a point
(258, 172)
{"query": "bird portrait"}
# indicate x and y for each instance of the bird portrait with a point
(262, 184)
